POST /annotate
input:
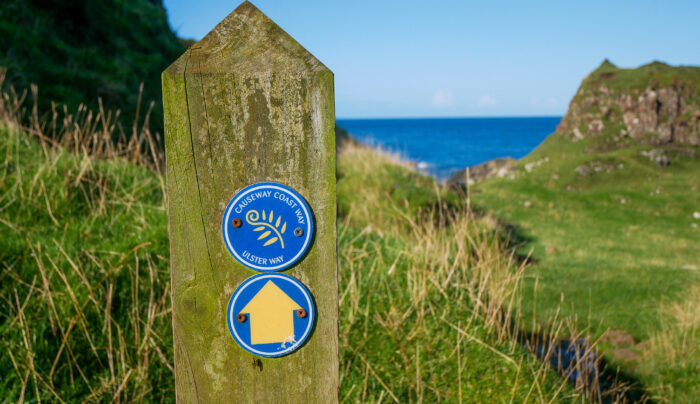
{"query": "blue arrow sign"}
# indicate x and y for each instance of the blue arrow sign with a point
(271, 315)
(267, 226)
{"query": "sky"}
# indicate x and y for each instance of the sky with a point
(451, 58)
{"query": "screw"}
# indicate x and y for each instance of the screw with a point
(237, 222)
(298, 232)
(301, 313)
(241, 318)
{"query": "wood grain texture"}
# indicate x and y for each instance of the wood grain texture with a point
(247, 104)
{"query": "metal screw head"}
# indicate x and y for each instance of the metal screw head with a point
(237, 222)
(298, 232)
(241, 318)
(301, 313)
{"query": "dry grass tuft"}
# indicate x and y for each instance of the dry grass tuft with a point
(672, 355)
(98, 134)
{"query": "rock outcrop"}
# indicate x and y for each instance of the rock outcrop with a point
(500, 167)
(654, 104)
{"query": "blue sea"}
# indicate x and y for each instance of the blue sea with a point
(442, 146)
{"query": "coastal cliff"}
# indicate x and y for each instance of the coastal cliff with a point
(653, 104)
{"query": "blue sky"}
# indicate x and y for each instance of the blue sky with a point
(466, 58)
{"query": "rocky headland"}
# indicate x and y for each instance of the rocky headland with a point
(655, 105)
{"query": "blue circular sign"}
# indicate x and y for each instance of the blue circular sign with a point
(267, 226)
(271, 315)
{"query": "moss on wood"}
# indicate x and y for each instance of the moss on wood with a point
(247, 104)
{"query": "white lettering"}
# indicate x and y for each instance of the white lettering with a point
(250, 198)
(300, 217)
(284, 198)
(254, 259)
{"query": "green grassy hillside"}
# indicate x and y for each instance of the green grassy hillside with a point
(652, 75)
(80, 50)
(86, 297)
(614, 237)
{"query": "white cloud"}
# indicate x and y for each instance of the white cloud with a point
(487, 101)
(442, 98)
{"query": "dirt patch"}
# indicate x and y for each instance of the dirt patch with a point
(618, 338)
(625, 355)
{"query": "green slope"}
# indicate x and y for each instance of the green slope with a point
(613, 238)
(85, 287)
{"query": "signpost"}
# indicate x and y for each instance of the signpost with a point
(250, 148)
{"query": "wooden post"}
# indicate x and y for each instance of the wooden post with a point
(247, 104)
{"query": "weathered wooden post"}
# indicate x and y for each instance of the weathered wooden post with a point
(249, 119)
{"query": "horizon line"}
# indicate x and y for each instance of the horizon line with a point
(448, 117)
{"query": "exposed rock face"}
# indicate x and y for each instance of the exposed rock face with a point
(499, 167)
(656, 104)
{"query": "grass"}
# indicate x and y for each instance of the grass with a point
(613, 248)
(428, 289)
(85, 292)
(652, 75)
(672, 351)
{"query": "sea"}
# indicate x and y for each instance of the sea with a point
(442, 146)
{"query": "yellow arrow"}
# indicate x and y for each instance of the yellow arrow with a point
(271, 314)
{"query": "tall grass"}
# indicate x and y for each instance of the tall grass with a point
(438, 287)
(672, 355)
(84, 278)
(98, 134)
(429, 290)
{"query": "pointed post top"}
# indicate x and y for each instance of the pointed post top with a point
(246, 40)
